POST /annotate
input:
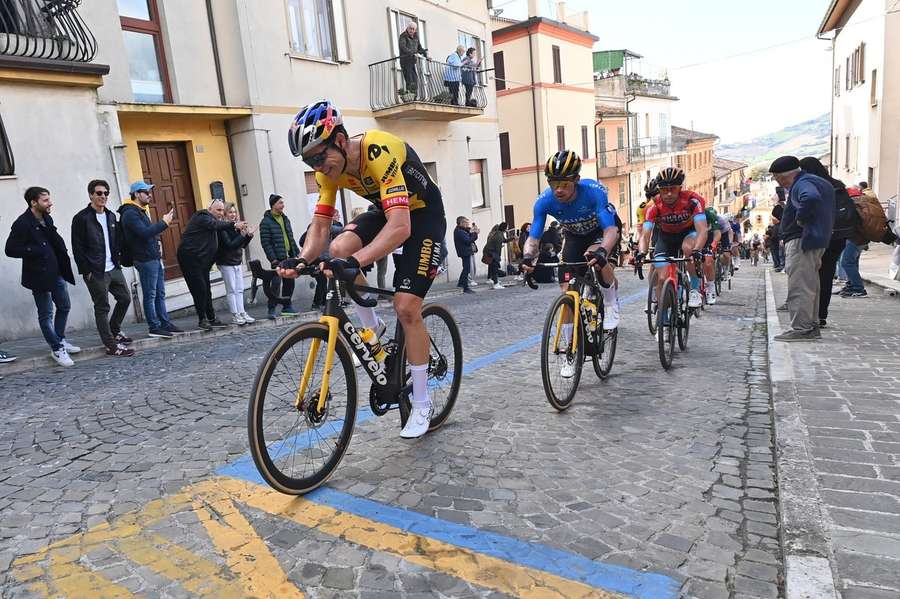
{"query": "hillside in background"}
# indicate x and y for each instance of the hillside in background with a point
(809, 138)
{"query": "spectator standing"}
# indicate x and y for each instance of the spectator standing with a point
(806, 229)
(844, 220)
(464, 236)
(142, 249)
(856, 243)
(196, 255)
(97, 249)
(45, 270)
(277, 239)
(469, 65)
(453, 74)
(775, 237)
(492, 252)
(409, 47)
(553, 237)
(230, 261)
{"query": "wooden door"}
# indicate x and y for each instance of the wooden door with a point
(165, 166)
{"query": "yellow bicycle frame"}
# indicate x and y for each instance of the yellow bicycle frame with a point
(576, 298)
(332, 323)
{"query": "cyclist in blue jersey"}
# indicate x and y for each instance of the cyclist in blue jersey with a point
(590, 230)
(736, 242)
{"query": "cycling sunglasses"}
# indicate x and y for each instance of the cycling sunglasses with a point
(317, 159)
(559, 183)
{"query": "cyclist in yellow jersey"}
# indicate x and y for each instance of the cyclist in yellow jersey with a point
(407, 212)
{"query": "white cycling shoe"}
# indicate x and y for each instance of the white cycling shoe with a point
(568, 369)
(611, 316)
(711, 298)
(695, 300)
(418, 422)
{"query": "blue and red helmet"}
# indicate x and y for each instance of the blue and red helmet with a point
(314, 125)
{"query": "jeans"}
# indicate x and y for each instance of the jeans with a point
(153, 290)
(234, 287)
(464, 275)
(850, 262)
(281, 287)
(494, 270)
(100, 287)
(777, 260)
(53, 327)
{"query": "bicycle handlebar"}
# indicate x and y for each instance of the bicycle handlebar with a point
(313, 269)
(529, 277)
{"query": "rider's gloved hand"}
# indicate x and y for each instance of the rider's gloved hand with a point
(345, 269)
(639, 258)
(298, 264)
(599, 256)
(527, 264)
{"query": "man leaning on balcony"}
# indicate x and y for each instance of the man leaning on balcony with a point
(409, 47)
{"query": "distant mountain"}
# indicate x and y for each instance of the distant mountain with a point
(810, 138)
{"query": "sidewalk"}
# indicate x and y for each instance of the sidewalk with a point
(837, 420)
(33, 352)
(873, 266)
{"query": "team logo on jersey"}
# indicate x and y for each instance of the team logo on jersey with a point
(390, 171)
(374, 151)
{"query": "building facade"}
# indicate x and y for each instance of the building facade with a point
(544, 101)
(865, 117)
(196, 98)
(730, 186)
(697, 160)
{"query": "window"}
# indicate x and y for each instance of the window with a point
(467, 40)
(836, 148)
(505, 162)
(847, 74)
(499, 71)
(560, 137)
(7, 160)
(431, 167)
(144, 48)
(620, 141)
(317, 29)
(398, 22)
(871, 178)
(861, 58)
(557, 66)
(601, 147)
(585, 151)
(476, 181)
(873, 92)
(621, 193)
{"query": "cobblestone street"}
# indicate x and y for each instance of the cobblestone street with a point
(652, 485)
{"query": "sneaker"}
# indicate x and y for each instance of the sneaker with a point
(497, 286)
(794, 335)
(711, 297)
(123, 339)
(611, 316)
(247, 318)
(568, 368)
(271, 315)
(418, 422)
(695, 300)
(6, 357)
(238, 320)
(467, 290)
(217, 324)
(473, 283)
(289, 311)
(71, 349)
(173, 329)
(840, 290)
(204, 325)
(164, 333)
(62, 357)
(823, 323)
(862, 293)
(119, 351)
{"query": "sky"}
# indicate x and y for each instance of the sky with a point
(735, 97)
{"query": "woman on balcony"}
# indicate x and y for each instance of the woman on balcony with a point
(469, 66)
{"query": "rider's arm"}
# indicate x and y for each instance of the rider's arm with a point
(702, 229)
(539, 220)
(647, 229)
(606, 216)
(532, 247)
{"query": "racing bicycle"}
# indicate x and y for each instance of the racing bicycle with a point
(673, 315)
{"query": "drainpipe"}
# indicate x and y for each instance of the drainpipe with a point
(115, 165)
(537, 159)
(136, 300)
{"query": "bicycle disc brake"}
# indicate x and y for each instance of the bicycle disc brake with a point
(313, 416)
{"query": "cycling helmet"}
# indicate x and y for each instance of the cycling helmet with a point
(671, 176)
(314, 125)
(565, 164)
(651, 189)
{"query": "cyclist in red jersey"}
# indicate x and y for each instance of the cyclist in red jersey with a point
(682, 227)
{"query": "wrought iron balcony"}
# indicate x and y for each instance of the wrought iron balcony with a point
(46, 29)
(429, 89)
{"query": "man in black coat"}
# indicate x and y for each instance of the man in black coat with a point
(464, 235)
(97, 249)
(196, 254)
(45, 270)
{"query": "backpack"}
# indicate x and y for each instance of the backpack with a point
(873, 225)
(846, 217)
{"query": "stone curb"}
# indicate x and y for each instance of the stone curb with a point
(804, 541)
(888, 284)
(99, 351)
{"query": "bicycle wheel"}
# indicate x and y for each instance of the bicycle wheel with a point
(445, 363)
(604, 346)
(666, 319)
(684, 317)
(556, 353)
(719, 275)
(730, 272)
(296, 448)
(651, 305)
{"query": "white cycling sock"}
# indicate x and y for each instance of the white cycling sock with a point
(367, 315)
(420, 397)
(610, 295)
(567, 333)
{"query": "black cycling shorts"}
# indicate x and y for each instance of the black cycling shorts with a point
(574, 248)
(669, 244)
(416, 268)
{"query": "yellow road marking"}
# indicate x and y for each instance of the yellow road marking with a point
(476, 568)
(246, 554)
(73, 580)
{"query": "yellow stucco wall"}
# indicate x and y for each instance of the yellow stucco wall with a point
(207, 148)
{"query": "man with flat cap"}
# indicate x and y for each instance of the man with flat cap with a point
(806, 230)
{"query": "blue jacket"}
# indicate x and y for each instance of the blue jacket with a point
(141, 237)
(809, 212)
(454, 70)
(463, 240)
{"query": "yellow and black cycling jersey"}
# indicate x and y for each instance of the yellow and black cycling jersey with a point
(642, 210)
(391, 176)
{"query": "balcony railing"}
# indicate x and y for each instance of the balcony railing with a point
(620, 161)
(436, 83)
(651, 147)
(48, 29)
